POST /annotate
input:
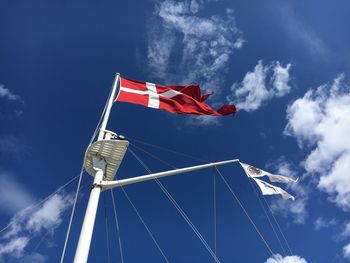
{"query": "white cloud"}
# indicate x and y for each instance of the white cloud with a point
(49, 215)
(14, 247)
(346, 251)
(288, 259)
(185, 46)
(33, 222)
(321, 121)
(285, 168)
(280, 79)
(324, 223)
(295, 210)
(6, 93)
(13, 195)
(261, 85)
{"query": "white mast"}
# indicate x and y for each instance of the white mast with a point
(99, 165)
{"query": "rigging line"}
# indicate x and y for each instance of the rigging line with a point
(278, 225)
(267, 215)
(41, 241)
(144, 224)
(169, 150)
(39, 203)
(179, 209)
(246, 213)
(153, 156)
(79, 183)
(72, 214)
(117, 224)
(189, 222)
(48, 231)
(106, 227)
(214, 207)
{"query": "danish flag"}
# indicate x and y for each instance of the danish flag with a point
(174, 99)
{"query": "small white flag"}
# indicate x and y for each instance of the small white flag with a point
(254, 172)
(269, 189)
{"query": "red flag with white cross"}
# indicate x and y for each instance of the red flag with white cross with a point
(175, 99)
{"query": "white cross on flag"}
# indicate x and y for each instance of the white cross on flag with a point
(174, 99)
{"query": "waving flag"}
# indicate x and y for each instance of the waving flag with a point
(269, 189)
(252, 171)
(174, 99)
(266, 188)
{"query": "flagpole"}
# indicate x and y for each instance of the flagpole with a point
(108, 109)
(99, 165)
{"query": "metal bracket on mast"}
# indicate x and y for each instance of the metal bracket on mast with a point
(111, 151)
(98, 165)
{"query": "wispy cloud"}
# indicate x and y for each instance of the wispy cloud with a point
(346, 230)
(34, 258)
(320, 120)
(288, 259)
(321, 223)
(260, 85)
(30, 223)
(9, 109)
(185, 45)
(14, 197)
(13, 146)
(299, 33)
(7, 94)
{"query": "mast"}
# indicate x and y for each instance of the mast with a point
(99, 166)
(102, 160)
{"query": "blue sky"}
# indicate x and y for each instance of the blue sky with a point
(285, 65)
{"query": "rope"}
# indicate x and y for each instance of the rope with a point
(189, 222)
(106, 227)
(241, 205)
(268, 217)
(72, 214)
(179, 209)
(144, 224)
(279, 228)
(79, 183)
(153, 156)
(43, 237)
(37, 245)
(169, 150)
(117, 224)
(214, 208)
(246, 213)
